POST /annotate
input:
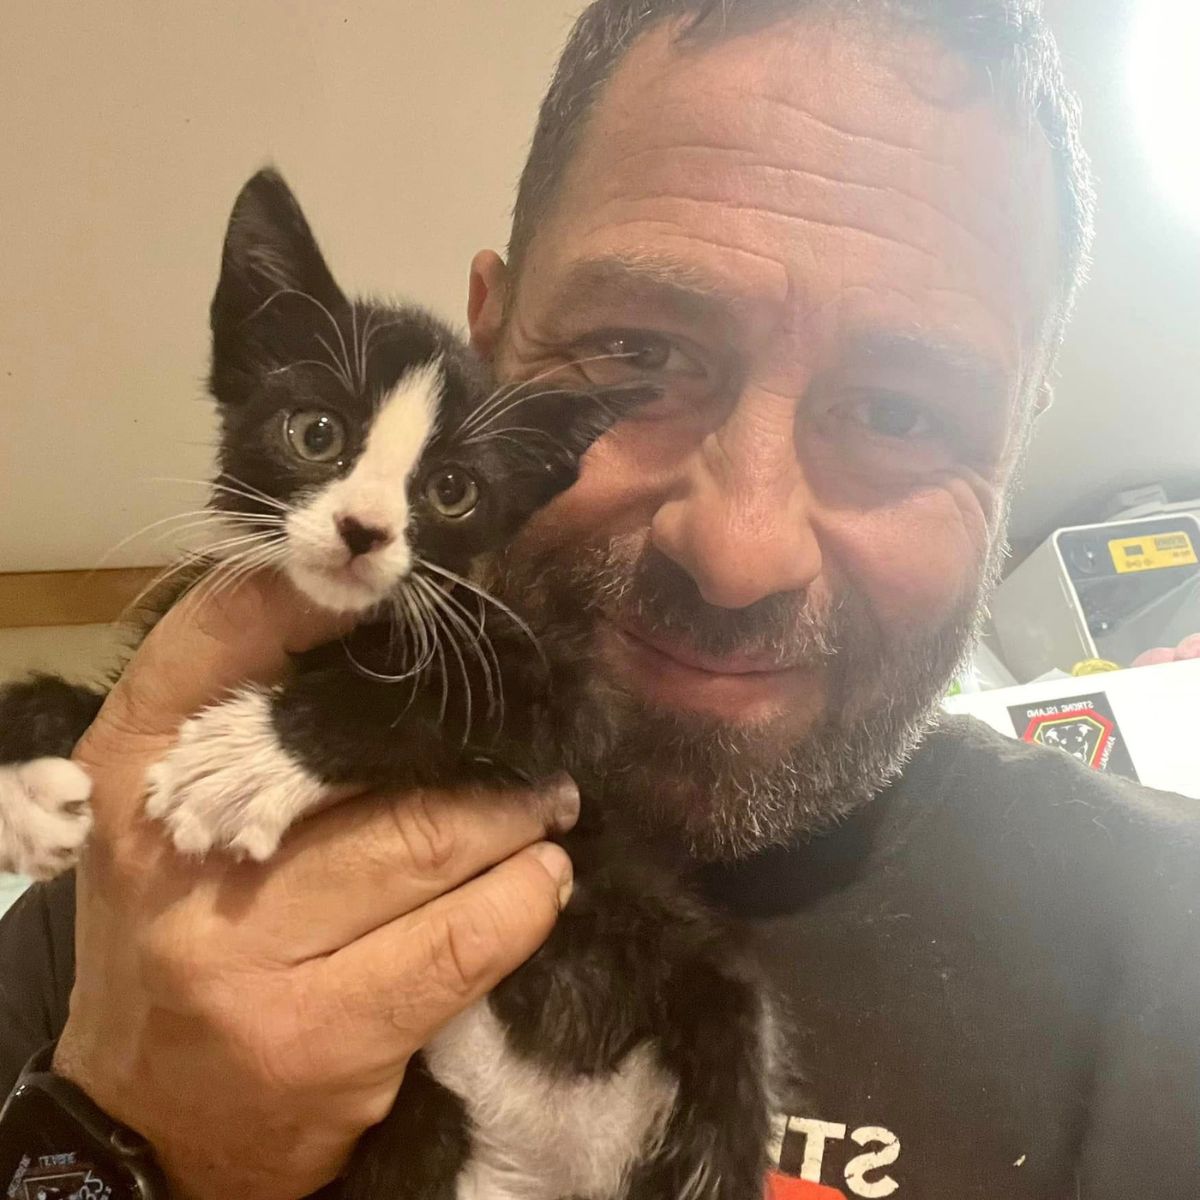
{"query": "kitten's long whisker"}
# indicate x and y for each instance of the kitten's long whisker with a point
(503, 401)
(232, 572)
(509, 388)
(245, 490)
(195, 512)
(487, 598)
(479, 641)
(516, 391)
(441, 601)
(423, 604)
(439, 619)
(152, 586)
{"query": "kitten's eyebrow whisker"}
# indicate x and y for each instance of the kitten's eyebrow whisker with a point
(313, 362)
(364, 342)
(377, 329)
(342, 371)
(290, 291)
(354, 343)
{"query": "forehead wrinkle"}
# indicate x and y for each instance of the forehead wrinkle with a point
(687, 287)
(753, 160)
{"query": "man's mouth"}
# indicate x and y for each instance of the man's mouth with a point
(742, 687)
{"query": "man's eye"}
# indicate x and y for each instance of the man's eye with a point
(611, 357)
(895, 417)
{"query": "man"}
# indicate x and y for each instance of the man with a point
(844, 238)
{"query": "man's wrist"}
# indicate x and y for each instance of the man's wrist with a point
(53, 1132)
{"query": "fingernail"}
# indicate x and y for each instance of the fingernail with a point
(558, 866)
(564, 803)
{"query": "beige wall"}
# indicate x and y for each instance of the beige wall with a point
(81, 653)
(126, 129)
(126, 132)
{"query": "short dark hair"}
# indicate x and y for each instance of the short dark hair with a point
(1008, 39)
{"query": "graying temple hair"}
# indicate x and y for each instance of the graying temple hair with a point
(1007, 39)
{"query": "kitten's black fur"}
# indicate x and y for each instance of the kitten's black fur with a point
(635, 957)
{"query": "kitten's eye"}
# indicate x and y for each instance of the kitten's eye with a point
(452, 492)
(314, 435)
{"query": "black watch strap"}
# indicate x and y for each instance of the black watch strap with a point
(57, 1143)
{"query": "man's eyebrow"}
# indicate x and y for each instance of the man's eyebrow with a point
(955, 362)
(684, 287)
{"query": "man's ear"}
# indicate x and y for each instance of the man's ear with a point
(275, 293)
(487, 296)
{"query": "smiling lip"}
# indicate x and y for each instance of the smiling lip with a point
(710, 664)
(735, 688)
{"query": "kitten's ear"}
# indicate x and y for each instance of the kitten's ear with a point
(568, 426)
(273, 284)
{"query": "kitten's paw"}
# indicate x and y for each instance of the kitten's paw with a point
(44, 816)
(228, 783)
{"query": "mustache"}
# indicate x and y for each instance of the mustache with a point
(629, 582)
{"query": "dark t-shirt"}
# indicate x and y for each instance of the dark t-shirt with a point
(992, 972)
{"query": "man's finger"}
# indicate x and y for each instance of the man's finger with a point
(364, 862)
(207, 644)
(399, 984)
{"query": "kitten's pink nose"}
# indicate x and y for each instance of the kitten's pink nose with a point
(360, 538)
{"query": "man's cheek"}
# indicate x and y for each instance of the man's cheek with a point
(914, 561)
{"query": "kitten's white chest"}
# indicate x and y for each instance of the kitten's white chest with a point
(540, 1137)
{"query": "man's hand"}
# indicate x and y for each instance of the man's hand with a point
(253, 1020)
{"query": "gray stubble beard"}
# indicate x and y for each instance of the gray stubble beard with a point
(722, 792)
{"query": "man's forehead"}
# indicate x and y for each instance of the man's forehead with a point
(782, 137)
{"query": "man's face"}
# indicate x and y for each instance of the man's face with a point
(836, 257)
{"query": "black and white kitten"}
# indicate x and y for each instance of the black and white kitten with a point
(363, 453)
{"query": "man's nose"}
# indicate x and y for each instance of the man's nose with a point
(740, 519)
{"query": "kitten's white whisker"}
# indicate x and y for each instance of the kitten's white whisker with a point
(243, 489)
(479, 640)
(515, 391)
(354, 344)
(343, 371)
(195, 512)
(290, 291)
(487, 598)
(313, 362)
(375, 331)
(454, 624)
(441, 623)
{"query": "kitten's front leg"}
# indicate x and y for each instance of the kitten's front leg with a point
(44, 816)
(244, 771)
(229, 782)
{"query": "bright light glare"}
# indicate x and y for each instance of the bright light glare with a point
(1165, 77)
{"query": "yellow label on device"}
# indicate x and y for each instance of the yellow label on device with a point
(1152, 552)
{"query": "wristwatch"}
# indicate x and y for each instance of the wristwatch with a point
(56, 1144)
